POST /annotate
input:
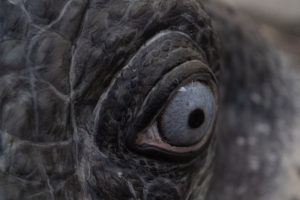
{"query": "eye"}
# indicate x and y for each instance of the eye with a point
(188, 116)
(186, 122)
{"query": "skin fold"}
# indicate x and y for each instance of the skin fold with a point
(80, 80)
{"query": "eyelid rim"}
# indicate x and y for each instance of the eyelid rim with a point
(172, 156)
(152, 107)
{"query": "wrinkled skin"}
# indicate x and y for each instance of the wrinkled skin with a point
(74, 77)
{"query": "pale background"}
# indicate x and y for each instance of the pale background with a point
(281, 19)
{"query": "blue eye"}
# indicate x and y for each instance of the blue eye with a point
(188, 116)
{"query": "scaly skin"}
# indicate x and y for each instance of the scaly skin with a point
(73, 79)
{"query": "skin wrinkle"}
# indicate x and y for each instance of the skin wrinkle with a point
(144, 48)
(22, 142)
(36, 154)
(49, 185)
(89, 67)
(103, 63)
(104, 95)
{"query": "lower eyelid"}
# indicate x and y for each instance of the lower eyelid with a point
(151, 137)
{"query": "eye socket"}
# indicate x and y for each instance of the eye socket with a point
(186, 123)
(188, 115)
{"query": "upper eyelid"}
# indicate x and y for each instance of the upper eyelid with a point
(133, 70)
(192, 76)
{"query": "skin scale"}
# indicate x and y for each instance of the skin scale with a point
(74, 79)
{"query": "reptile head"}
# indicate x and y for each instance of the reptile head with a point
(107, 99)
(118, 100)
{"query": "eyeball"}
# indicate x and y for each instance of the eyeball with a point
(188, 116)
(184, 125)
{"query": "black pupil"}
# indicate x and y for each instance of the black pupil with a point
(196, 118)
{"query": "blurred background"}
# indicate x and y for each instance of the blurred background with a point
(279, 22)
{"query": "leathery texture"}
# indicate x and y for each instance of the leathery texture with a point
(74, 76)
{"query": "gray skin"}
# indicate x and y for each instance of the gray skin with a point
(80, 79)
